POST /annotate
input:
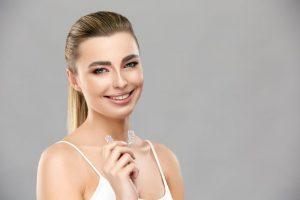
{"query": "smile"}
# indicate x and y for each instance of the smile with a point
(120, 97)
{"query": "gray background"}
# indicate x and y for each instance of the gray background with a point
(222, 90)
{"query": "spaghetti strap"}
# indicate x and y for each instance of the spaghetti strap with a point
(84, 156)
(157, 161)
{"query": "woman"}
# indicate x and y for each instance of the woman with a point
(102, 158)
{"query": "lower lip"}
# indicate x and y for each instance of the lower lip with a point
(121, 102)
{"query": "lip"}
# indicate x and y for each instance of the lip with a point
(119, 94)
(123, 101)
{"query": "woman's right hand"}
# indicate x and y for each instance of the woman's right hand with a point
(120, 169)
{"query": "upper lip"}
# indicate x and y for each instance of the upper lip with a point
(119, 94)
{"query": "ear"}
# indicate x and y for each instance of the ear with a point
(72, 79)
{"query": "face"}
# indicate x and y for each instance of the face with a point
(110, 74)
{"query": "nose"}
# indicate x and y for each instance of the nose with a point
(119, 81)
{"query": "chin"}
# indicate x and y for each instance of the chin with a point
(120, 115)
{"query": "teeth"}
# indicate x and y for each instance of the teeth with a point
(120, 97)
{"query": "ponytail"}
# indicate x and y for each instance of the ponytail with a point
(77, 109)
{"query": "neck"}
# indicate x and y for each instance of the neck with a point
(99, 125)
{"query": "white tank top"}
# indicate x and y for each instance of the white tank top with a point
(104, 189)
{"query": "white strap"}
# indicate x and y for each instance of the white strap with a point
(84, 156)
(157, 161)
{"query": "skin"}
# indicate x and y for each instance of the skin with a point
(64, 175)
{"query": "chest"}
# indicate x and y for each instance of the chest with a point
(149, 182)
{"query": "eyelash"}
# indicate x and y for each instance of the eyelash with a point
(98, 69)
(128, 65)
(134, 64)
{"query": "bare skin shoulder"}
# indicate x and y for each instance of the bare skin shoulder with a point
(60, 174)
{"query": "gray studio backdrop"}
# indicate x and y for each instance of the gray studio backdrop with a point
(222, 90)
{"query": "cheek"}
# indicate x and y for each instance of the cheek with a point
(96, 85)
(137, 78)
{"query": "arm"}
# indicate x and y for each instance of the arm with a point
(60, 175)
(171, 169)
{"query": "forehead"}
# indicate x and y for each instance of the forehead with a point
(109, 48)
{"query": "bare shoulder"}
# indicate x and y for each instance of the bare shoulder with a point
(57, 152)
(59, 174)
(171, 168)
(59, 156)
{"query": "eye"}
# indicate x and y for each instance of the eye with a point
(100, 70)
(131, 64)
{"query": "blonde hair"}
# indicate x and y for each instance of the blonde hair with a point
(102, 23)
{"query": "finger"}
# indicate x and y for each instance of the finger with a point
(118, 151)
(107, 149)
(112, 162)
(128, 169)
(124, 160)
(113, 144)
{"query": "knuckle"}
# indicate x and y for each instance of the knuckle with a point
(127, 156)
(116, 148)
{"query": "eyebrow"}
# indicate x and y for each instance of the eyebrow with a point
(108, 63)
